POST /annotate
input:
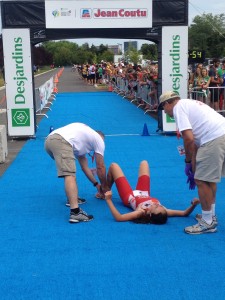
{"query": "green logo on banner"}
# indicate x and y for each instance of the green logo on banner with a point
(169, 119)
(20, 117)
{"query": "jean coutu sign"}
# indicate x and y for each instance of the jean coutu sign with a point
(98, 14)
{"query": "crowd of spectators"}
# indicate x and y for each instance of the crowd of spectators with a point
(207, 84)
(138, 83)
(133, 82)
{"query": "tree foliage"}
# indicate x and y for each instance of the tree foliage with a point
(107, 55)
(207, 32)
(149, 51)
(41, 56)
(133, 56)
(67, 53)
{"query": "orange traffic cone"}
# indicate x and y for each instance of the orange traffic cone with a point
(56, 80)
(110, 88)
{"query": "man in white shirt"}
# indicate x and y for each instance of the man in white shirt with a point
(203, 132)
(72, 142)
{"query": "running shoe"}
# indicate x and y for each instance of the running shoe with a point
(82, 216)
(201, 227)
(198, 217)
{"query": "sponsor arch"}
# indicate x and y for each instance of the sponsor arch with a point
(167, 27)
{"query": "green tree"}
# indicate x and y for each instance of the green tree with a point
(85, 47)
(207, 32)
(134, 56)
(149, 51)
(94, 49)
(61, 51)
(102, 48)
(41, 56)
(107, 55)
(67, 53)
(62, 56)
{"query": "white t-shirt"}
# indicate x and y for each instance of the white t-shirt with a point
(205, 122)
(82, 138)
(92, 69)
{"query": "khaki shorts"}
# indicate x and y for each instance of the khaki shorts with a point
(62, 152)
(210, 161)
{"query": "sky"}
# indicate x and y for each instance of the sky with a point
(196, 7)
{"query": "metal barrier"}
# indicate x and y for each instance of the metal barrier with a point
(145, 95)
(120, 86)
(212, 96)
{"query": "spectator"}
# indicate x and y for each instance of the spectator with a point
(99, 74)
(204, 84)
(152, 95)
(91, 73)
(85, 72)
(196, 84)
(221, 73)
(214, 84)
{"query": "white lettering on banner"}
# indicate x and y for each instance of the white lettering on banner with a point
(17, 56)
(123, 13)
(175, 54)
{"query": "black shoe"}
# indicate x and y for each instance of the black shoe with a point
(80, 201)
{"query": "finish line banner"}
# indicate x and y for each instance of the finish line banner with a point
(19, 83)
(98, 14)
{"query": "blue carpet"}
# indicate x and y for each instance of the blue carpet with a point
(42, 256)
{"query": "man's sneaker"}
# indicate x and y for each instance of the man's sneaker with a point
(82, 216)
(198, 217)
(201, 227)
(80, 201)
